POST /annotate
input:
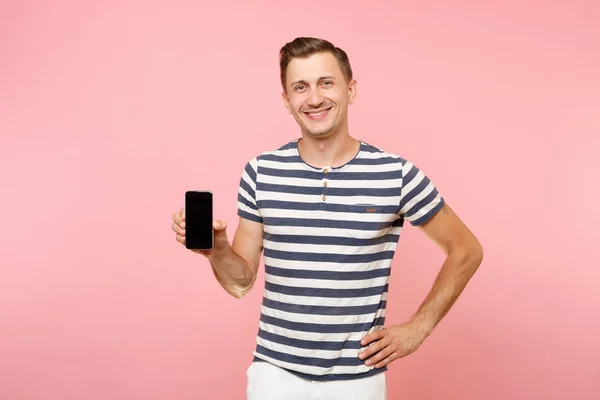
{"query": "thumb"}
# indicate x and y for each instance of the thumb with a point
(220, 225)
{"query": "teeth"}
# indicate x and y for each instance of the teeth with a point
(317, 114)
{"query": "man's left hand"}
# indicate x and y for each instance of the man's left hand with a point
(389, 344)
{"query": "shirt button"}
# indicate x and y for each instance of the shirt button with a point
(325, 183)
(324, 197)
(326, 170)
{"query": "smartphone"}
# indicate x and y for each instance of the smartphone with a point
(199, 234)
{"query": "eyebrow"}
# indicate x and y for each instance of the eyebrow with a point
(320, 79)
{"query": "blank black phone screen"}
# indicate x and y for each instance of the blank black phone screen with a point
(198, 220)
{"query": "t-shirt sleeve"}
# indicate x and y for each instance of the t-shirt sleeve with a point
(419, 199)
(247, 205)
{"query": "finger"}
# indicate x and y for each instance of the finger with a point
(177, 218)
(372, 349)
(180, 229)
(180, 239)
(382, 355)
(387, 360)
(373, 336)
(220, 225)
(182, 214)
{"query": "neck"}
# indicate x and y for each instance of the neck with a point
(332, 151)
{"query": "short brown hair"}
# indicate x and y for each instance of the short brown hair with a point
(306, 46)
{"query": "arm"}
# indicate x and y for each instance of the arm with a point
(464, 254)
(236, 266)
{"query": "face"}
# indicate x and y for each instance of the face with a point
(317, 94)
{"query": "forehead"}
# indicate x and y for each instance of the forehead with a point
(313, 67)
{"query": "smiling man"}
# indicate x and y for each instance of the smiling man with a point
(327, 210)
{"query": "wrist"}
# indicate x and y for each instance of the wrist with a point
(424, 326)
(217, 254)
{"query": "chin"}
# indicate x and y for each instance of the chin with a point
(319, 133)
(322, 131)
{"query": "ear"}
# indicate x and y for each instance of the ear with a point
(286, 102)
(352, 91)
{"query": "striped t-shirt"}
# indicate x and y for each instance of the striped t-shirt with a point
(329, 238)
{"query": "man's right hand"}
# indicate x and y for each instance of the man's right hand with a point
(235, 266)
(220, 228)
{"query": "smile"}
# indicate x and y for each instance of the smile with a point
(317, 115)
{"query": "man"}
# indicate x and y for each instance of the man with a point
(328, 210)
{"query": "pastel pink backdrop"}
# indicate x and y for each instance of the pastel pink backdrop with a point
(109, 111)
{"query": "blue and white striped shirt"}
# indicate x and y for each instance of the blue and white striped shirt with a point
(329, 238)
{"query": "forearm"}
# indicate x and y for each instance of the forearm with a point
(233, 273)
(453, 277)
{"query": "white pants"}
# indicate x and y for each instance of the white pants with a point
(268, 382)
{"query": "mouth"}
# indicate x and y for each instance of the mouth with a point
(317, 115)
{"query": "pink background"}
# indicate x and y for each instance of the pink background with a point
(110, 111)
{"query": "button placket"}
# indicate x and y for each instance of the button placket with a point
(325, 184)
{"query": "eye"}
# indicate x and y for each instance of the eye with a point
(328, 83)
(299, 87)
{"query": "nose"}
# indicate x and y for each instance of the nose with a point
(315, 99)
